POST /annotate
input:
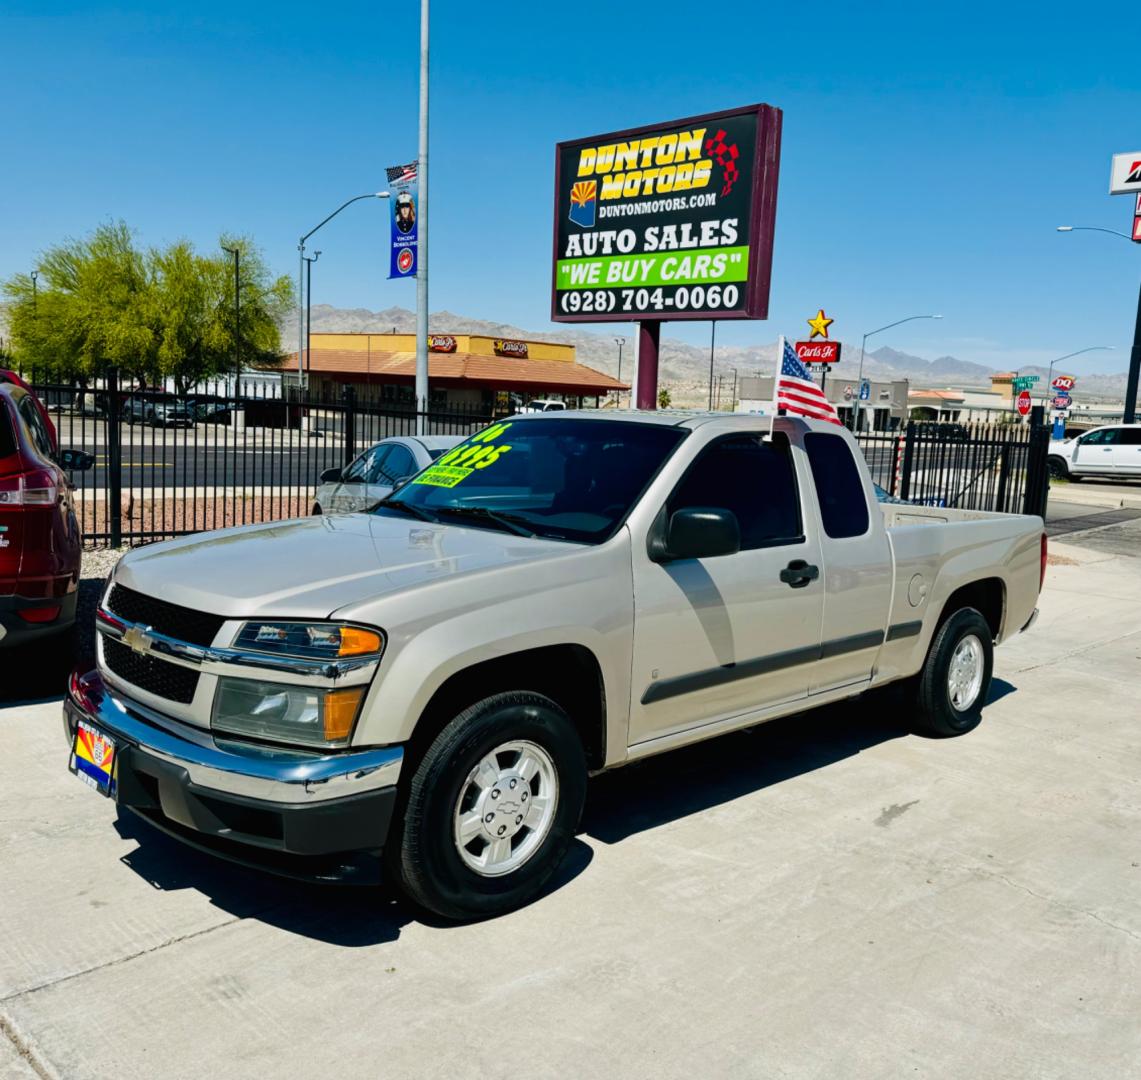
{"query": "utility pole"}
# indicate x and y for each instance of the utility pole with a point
(620, 341)
(712, 342)
(309, 304)
(236, 252)
(422, 233)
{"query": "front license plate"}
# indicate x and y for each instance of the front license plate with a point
(93, 758)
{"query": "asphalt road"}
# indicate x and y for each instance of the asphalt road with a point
(1114, 531)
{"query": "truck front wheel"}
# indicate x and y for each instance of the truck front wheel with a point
(952, 688)
(491, 809)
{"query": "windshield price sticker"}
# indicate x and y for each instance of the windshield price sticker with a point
(479, 452)
(669, 221)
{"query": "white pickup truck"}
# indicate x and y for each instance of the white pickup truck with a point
(427, 686)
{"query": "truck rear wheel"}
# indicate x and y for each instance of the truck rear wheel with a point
(952, 688)
(492, 808)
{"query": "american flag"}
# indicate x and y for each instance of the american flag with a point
(402, 173)
(797, 393)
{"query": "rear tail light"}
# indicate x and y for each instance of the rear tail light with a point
(40, 614)
(35, 488)
(1042, 574)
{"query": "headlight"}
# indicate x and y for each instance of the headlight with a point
(301, 715)
(314, 641)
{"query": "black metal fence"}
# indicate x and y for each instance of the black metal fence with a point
(998, 467)
(168, 464)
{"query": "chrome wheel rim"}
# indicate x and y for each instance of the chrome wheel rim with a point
(505, 808)
(965, 676)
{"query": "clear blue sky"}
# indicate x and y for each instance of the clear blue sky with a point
(929, 151)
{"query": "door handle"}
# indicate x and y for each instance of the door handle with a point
(798, 573)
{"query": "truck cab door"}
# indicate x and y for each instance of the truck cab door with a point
(857, 568)
(735, 634)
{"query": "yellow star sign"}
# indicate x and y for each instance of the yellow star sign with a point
(819, 325)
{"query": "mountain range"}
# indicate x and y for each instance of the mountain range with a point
(684, 368)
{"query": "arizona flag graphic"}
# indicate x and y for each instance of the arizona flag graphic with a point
(584, 197)
(94, 755)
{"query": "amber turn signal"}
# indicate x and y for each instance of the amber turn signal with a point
(340, 711)
(358, 642)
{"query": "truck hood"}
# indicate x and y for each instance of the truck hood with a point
(310, 567)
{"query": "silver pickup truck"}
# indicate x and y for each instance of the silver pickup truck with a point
(427, 686)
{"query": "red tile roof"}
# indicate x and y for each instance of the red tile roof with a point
(502, 372)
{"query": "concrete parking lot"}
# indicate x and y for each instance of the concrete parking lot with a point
(825, 896)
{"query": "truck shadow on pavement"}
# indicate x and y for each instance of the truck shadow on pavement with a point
(674, 785)
(351, 916)
(619, 805)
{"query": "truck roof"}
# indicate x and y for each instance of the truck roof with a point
(675, 418)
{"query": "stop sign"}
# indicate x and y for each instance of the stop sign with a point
(1023, 403)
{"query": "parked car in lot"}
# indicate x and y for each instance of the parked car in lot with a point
(544, 405)
(40, 541)
(157, 412)
(556, 596)
(1113, 450)
(372, 474)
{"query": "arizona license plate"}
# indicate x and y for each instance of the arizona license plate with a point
(93, 758)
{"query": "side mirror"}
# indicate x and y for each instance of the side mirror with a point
(331, 476)
(76, 460)
(699, 532)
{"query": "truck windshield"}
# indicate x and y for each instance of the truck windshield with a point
(566, 479)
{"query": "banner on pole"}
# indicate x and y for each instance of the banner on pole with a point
(404, 206)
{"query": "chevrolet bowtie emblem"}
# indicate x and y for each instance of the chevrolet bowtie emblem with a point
(138, 640)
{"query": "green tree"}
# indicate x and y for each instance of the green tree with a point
(664, 398)
(154, 313)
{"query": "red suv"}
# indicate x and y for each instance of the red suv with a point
(40, 541)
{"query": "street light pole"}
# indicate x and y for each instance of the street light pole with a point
(863, 345)
(35, 296)
(422, 233)
(309, 304)
(236, 252)
(301, 276)
(1130, 411)
(1050, 372)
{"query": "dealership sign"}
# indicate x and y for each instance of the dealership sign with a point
(503, 347)
(818, 352)
(669, 221)
(1125, 174)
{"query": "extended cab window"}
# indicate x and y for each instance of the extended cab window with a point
(752, 478)
(1131, 436)
(839, 485)
(1103, 437)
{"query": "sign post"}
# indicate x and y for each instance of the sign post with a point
(1125, 179)
(666, 221)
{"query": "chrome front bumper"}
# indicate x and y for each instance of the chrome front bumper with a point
(277, 776)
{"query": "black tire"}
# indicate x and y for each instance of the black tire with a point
(935, 712)
(1056, 466)
(422, 850)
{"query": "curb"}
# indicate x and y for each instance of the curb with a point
(1080, 494)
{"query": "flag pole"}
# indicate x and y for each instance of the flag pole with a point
(776, 373)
